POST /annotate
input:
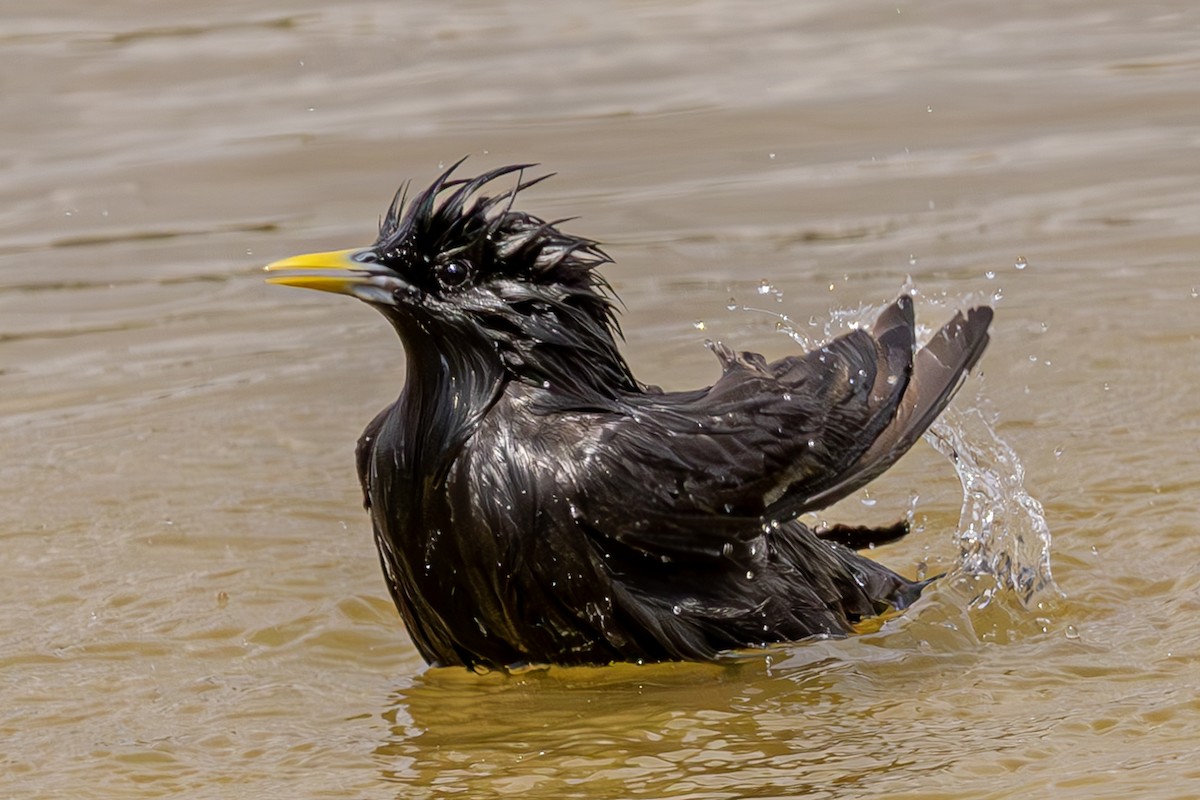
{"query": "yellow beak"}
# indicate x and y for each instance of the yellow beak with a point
(333, 261)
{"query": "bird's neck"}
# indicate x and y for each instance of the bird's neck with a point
(576, 359)
(448, 389)
(455, 375)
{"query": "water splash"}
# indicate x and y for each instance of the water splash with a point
(1003, 533)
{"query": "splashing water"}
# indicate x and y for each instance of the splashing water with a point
(1003, 533)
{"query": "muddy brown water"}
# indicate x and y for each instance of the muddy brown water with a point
(191, 603)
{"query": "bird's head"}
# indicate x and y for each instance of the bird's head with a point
(456, 268)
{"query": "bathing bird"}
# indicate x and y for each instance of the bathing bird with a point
(534, 503)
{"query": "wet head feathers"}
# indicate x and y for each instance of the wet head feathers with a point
(538, 294)
(455, 218)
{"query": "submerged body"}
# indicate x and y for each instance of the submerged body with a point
(533, 503)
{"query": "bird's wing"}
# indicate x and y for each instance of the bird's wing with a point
(695, 473)
(938, 370)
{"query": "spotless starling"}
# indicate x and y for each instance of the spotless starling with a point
(535, 503)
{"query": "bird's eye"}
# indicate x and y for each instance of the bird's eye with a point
(453, 274)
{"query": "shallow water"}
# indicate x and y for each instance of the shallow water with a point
(192, 602)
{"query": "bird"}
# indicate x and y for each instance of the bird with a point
(534, 503)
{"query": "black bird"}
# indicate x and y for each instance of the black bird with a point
(534, 503)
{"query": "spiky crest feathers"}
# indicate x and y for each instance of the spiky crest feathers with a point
(551, 298)
(452, 217)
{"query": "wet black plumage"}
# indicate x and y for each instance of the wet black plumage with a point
(533, 502)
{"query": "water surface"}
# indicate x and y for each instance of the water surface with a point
(192, 603)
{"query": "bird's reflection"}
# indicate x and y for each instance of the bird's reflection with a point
(619, 730)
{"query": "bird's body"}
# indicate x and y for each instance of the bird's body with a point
(533, 503)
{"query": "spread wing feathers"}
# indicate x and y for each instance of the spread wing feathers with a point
(938, 370)
(698, 473)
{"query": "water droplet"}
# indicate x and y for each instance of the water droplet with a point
(676, 610)
(749, 574)
(765, 287)
(1072, 632)
(727, 549)
(928, 109)
(1058, 451)
(1195, 292)
(912, 260)
(731, 305)
(869, 501)
(891, 380)
(1020, 263)
(812, 442)
(545, 384)
(771, 155)
(990, 275)
(699, 325)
